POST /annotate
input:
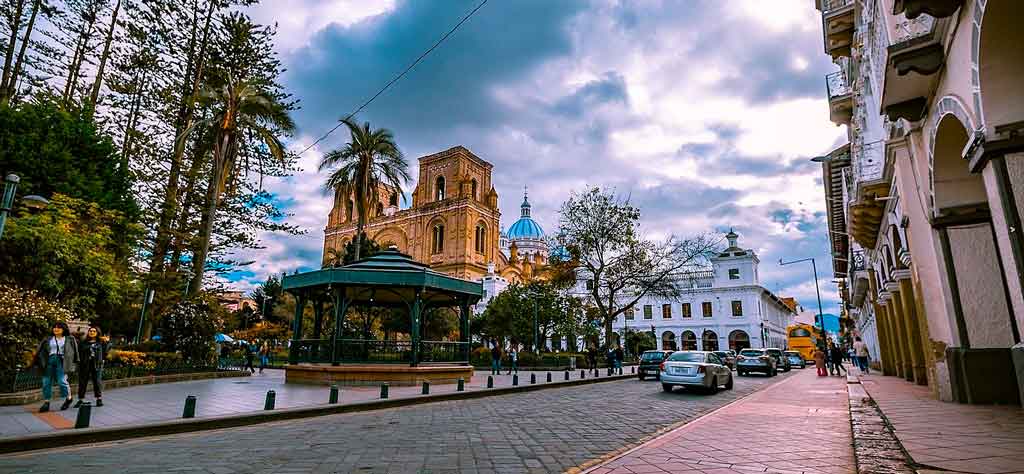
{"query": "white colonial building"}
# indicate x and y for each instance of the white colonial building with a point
(719, 309)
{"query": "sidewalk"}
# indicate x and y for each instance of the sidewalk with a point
(225, 396)
(800, 425)
(950, 436)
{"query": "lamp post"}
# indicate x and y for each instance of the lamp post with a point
(146, 300)
(7, 199)
(536, 330)
(819, 319)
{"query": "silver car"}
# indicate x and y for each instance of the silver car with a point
(695, 369)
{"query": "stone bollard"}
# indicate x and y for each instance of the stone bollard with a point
(190, 407)
(383, 390)
(632, 370)
(271, 398)
(84, 412)
(549, 377)
(426, 388)
(515, 380)
(610, 371)
(566, 375)
(490, 381)
(334, 395)
(583, 374)
(533, 379)
(462, 385)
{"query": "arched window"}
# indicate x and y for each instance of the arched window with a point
(393, 200)
(689, 341)
(739, 340)
(348, 210)
(710, 340)
(473, 188)
(480, 238)
(439, 189)
(437, 239)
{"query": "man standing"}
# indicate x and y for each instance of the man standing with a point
(495, 358)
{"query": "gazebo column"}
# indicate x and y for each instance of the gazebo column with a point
(294, 352)
(340, 308)
(318, 318)
(415, 316)
(464, 327)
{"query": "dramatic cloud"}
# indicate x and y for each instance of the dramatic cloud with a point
(703, 112)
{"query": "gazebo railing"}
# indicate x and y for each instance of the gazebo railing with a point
(310, 350)
(375, 351)
(318, 351)
(444, 351)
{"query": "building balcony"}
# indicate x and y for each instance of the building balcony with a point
(915, 53)
(838, 23)
(858, 277)
(840, 98)
(867, 182)
(936, 8)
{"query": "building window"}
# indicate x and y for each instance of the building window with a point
(686, 310)
(630, 313)
(473, 188)
(648, 312)
(737, 308)
(393, 200)
(705, 309)
(348, 211)
(590, 284)
(438, 239)
(666, 311)
(734, 273)
(481, 236)
(439, 189)
(485, 294)
(380, 209)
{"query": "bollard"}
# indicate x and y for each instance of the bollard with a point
(583, 374)
(334, 395)
(610, 371)
(383, 390)
(271, 397)
(620, 371)
(533, 379)
(632, 369)
(426, 388)
(549, 377)
(462, 385)
(190, 407)
(84, 412)
(490, 382)
(515, 380)
(566, 375)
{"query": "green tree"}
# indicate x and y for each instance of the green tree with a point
(190, 326)
(25, 319)
(369, 160)
(510, 315)
(266, 295)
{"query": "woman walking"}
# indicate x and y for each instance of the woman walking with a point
(57, 356)
(860, 350)
(91, 354)
(264, 356)
(250, 354)
(819, 362)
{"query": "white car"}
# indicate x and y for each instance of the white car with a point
(695, 369)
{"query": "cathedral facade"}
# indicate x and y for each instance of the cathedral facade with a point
(453, 224)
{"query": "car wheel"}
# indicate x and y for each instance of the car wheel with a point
(641, 377)
(728, 385)
(714, 386)
(788, 368)
(740, 373)
(666, 387)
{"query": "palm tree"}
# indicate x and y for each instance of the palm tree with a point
(370, 159)
(241, 112)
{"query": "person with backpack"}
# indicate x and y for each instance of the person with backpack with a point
(57, 356)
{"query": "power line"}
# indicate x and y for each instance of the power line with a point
(465, 18)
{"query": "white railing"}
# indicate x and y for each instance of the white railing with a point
(830, 5)
(868, 161)
(907, 30)
(837, 85)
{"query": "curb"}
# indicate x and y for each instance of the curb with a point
(66, 438)
(596, 463)
(875, 445)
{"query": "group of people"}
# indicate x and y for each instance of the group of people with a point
(512, 355)
(250, 350)
(61, 353)
(829, 361)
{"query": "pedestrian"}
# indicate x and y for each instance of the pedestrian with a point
(57, 356)
(92, 351)
(819, 362)
(618, 358)
(264, 356)
(863, 356)
(250, 354)
(495, 358)
(835, 354)
(592, 358)
(513, 359)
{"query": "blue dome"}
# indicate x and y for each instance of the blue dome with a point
(525, 228)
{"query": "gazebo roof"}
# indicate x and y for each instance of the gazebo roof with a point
(387, 278)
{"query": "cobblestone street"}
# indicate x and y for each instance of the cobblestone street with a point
(544, 431)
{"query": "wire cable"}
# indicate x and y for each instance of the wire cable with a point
(464, 19)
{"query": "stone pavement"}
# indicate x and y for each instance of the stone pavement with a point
(949, 436)
(801, 425)
(534, 432)
(224, 396)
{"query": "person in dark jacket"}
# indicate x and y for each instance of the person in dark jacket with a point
(495, 358)
(250, 354)
(57, 356)
(92, 351)
(835, 356)
(618, 358)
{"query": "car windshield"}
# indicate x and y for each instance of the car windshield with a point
(686, 357)
(751, 353)
(652, 356)
(793, 354)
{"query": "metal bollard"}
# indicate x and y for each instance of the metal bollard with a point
(632, 369)
(383, 390)
(271, 398)
(426, 388)
(84, 412)
(609, 371)
(462, 385)
(533, 379)
(190, 407)
(490, 381)
(334, 395)
(549, 377)
(515, 380)
(583, 374)
(566, 375)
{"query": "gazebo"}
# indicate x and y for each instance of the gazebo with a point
(390, 280)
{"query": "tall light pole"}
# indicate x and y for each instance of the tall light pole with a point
(820, 319)
(10, 186)
(146, 300)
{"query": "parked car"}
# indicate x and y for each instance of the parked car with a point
(781, 361)
(650, 363)
(756, 360)
(795, 359)
(729, 357)
(695, 369)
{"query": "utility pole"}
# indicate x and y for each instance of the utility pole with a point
(820, 319)
(147, 298)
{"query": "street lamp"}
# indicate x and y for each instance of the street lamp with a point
(7, 200)
(820, 318)
(146, 300)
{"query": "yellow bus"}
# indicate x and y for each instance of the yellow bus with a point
(803, 339)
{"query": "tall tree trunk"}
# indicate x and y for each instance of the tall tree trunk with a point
(9, 55)
(205, 230)
(76, 62)
(7, 93)
(133, 117)
(104, 56)
(178, 242)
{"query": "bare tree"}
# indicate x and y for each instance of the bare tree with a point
(601, 232)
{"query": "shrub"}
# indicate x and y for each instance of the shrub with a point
(189, 328)
(25, 319)
(144, 346)
(130, 359)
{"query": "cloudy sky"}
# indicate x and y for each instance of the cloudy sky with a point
(704, 112)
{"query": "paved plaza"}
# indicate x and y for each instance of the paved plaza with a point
(543, 431)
